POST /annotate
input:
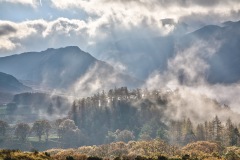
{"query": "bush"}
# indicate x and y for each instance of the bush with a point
(162, 158)
(69, 158)
(94, 158)
(35, 151)
(230, 155)
(47, 154)
(186, 157)
(202, 149)
(8, 158)
(140, 158)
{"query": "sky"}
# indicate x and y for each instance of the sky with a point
(94, 25)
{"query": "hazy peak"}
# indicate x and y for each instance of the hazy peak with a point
(67, 48)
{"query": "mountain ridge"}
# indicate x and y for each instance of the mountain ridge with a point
(9, 84)
(61, 68)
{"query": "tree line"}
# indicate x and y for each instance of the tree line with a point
(140, 114)
(124, 115)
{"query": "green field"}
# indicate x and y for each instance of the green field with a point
(52, 137)
(3, 110)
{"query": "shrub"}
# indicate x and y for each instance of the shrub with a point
(47, 154)
(162, 158)
(94, 158)
(202, 149)
(69, 158)
(35, 151)
(186, 157)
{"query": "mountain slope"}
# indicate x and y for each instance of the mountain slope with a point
(224, 64)
(60, 68)
(10, 84)
(144, 55)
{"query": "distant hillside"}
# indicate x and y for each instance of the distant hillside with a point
(62, 68)
(10, 84)
(41, 105)
(5, 97)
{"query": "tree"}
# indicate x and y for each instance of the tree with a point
(40, 127)
(47, 128)
(162, 134)
(229, 133)
(21, 131)
(209, 130)
(189, 135)
(200, 134)
(57, 125)
(3, 128)
(217, 129)
(125, 136)
(111, 137)
(236, 137)
(69, 133)
(75, 112)
(175, 132)
(146, 132)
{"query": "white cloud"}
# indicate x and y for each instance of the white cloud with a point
(57, 32)
(28, 33)
(109, 20)
(132, 12)
(33, 3)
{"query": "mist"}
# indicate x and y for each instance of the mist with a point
(187, 74)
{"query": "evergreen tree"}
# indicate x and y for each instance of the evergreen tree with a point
(189, 135)
(217, 129)
(200, 133)
(228, 133)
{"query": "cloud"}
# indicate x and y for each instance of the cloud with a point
(41, 34)
(192, 95)
(104, 21)
(134, 10)
(188, 67)
(6, 29)
(99, 77)
(32, 3)
(13, 34)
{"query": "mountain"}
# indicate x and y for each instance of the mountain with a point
(9, 84)
(72, 68)
(143, 56)
(224, 64)
(64, 68)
